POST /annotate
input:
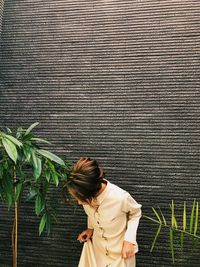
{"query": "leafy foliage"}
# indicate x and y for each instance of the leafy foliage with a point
(188, 226)
(24, 164)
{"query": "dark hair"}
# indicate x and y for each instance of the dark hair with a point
(85, 179)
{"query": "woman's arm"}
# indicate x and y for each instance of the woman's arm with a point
(133, 211)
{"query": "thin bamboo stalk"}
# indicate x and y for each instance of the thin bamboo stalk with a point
(15, 228)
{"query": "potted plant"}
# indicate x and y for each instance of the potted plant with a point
(26, 167)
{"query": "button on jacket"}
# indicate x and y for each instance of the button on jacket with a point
(114, 217)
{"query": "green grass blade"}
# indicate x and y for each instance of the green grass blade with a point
(150, 218)
(163, 217)
(173, 219)
(184, 216)
(157, 215)
(184, 224)
(155, 238)
(192, 216)
(196, 218)
(172, 244)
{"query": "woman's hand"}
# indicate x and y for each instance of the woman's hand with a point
(128, 250)
(85, 235)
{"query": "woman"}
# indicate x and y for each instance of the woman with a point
(113, 217)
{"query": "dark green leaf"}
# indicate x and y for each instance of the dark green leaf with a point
(37, 165)
(27, 152)
(38, 205)
(48, 175)
(42, 223)
(54, 174)
(18, 191)
(33, 192)
(7, 186)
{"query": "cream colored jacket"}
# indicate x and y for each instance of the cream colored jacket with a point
(114, 218)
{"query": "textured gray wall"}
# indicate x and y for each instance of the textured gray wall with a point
(114, 80)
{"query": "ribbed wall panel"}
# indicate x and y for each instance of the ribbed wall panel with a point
(114, 80)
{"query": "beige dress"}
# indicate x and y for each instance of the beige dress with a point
(115, 219)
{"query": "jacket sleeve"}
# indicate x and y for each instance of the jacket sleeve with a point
(133, 211)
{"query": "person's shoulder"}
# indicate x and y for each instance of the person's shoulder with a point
(118, 192)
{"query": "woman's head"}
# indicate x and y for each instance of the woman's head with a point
(85, 179)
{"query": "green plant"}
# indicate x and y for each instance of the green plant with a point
(26, 167)
(187, 227)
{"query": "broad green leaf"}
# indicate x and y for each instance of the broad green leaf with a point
(51, 156)
(196, 218)
(54, 174)
(27, 152)
(31, 127)
(10, 149)
(40, 140)
(55, 178)
(18, 191)
(13, 139)
(48, 175)
(157, 215)
(192, 216)
(37, 165)
(38, 205)
(155, 238)
(42, 223)
(172, 243)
